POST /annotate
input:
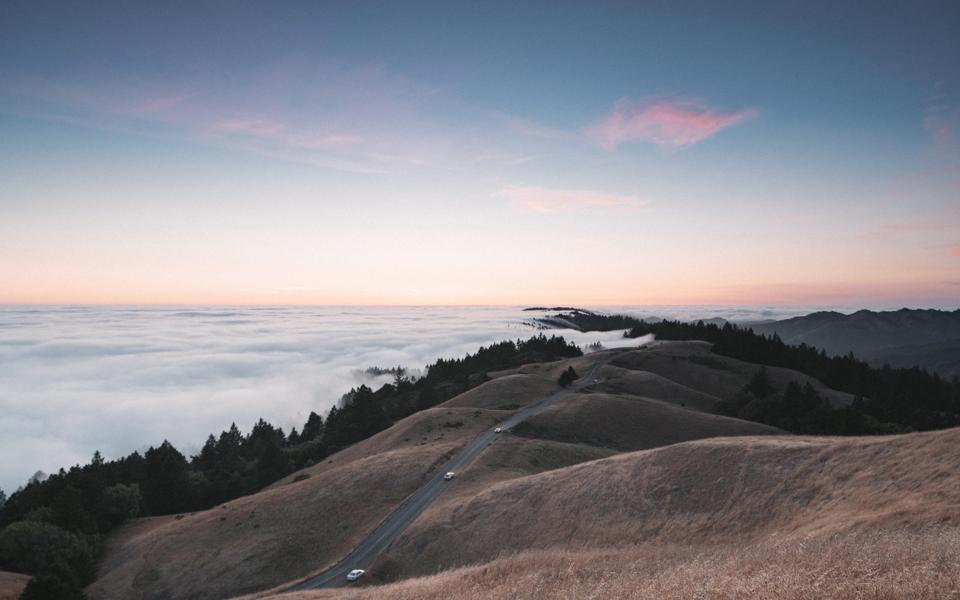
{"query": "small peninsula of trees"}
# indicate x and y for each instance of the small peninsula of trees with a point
(52, 528)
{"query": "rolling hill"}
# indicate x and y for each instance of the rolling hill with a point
(735, 517)
(628, 472)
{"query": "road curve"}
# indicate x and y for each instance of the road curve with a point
(391, 527)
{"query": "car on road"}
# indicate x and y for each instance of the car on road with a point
(498, 430)
(355, 574)
(449, 475)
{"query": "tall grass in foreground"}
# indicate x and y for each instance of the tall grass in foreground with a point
(882, 566)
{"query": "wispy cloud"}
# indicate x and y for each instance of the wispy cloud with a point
(546, 200)
(945, 222)
(264, 127)
(669, 124)
(352, 118)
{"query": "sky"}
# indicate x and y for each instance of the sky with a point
(480, 153)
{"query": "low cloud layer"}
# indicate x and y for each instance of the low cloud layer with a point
(75, 380)
(670, 124)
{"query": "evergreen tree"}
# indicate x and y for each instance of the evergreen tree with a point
(272, 464)
(293, 438)
(313, 428)
(166, 488)
(208, 457)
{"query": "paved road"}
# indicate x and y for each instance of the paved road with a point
(390, 528)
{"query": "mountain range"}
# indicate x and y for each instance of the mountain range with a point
(926, 338)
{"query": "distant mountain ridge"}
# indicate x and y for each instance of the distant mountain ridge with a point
(926, 338)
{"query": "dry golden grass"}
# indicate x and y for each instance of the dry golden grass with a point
(291, 530)
(625, 422)
(552, 501)
(920, 565)
(287, 531)
(550, 371)
(12, 584)
(694, 366)
(617, 380)
(713, 491)
(506, 392)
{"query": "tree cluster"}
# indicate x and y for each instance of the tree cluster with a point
(798, 409)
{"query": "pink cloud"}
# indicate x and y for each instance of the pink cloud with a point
(544, 200)
(955, 250)
(667, 123)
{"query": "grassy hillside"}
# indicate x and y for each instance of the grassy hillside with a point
(711, 491)
(627, 422)
(310, 518)
(766, 517)
(693, 364)
(625, 465)
(289, 530)
(920, 565)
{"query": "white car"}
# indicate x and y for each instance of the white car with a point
(355, 574)
(449, 475)
(498, 430)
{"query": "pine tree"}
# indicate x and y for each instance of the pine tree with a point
(313, 428)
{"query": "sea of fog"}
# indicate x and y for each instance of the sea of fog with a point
(117, 379)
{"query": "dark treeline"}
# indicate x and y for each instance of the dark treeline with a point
(887, 400)
(52, 528)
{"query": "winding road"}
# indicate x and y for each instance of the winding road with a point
(391, 527)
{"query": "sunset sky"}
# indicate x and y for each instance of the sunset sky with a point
(480, 153)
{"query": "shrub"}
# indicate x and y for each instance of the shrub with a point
(567, 377)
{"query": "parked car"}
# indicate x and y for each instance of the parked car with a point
(498, 430)
(449, 475)
(355, 574)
